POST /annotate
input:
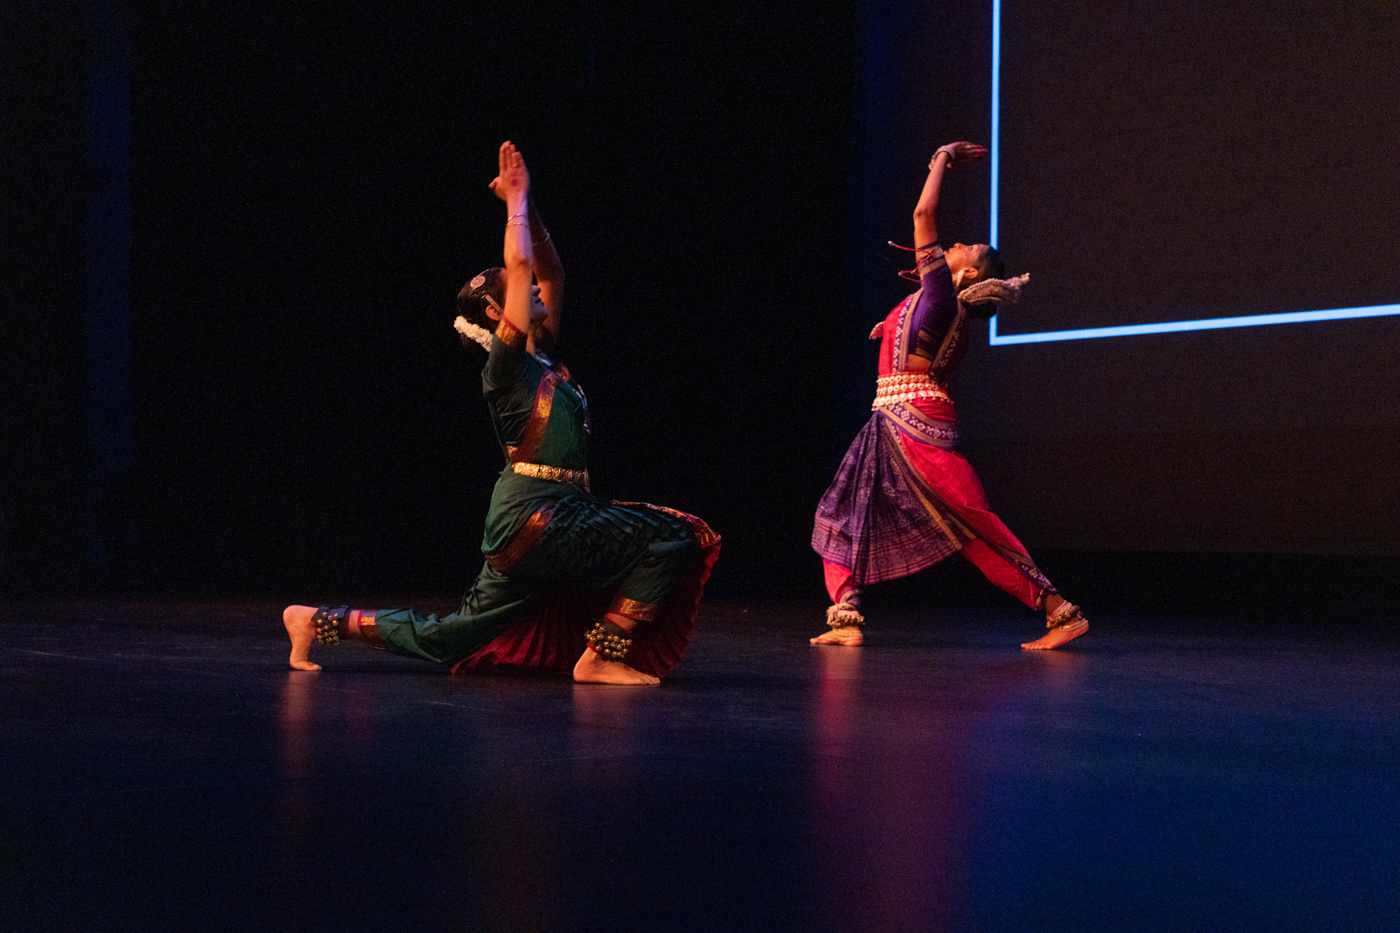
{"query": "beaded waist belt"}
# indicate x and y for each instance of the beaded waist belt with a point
(577, 478)
(905, 387)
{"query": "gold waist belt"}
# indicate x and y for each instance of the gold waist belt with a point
(577, 478)
(905, 387)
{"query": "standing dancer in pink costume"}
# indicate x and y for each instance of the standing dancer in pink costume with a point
(903, 499)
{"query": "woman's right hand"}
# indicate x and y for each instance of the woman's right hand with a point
(512, 181)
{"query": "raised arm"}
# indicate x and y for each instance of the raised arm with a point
(929, 322)
(549, 271)
(925, 227)
(512, 184)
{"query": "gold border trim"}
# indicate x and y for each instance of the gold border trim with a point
(900, 357)
(369, 631)
(577, 478)
(703, 533)
(533, 434)
(950, 339)
(510, 335)
(525, 538)
(922, 429)
(633, 608)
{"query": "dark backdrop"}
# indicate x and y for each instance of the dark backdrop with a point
(1185, 161)
(233, 234)
(307, 192)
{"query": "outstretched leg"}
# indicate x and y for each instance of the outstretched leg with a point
(1065, 621)
(1065, 624)
(641, 552)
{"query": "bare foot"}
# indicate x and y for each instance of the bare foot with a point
(592, 669)
(1058, 636)
(848, 635)
(302, 632)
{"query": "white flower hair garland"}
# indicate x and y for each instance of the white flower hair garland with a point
(473, 332)
(1001, 291)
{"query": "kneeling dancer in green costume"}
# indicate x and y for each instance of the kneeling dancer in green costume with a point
(606, 590)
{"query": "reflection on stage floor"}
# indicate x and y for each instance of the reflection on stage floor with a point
(164, 770)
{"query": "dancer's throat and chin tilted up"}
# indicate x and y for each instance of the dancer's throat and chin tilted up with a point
(606, 591)
(903, 498)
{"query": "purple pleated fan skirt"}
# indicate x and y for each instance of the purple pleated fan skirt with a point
(875, 521)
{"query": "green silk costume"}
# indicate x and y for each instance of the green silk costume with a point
(541, 416)
(555, 554)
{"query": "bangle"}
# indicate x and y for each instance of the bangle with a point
(948, 150)
(516, 223)
(520, 214)
(541, 242)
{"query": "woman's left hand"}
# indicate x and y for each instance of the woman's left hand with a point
(965, 152)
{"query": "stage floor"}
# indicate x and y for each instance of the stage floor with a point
(164, 770)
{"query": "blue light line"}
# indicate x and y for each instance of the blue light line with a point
(1131, 330)
(1252, 320)
(996, 115)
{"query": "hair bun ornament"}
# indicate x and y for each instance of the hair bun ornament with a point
(997, 291)
(473, 332)
(477, 282)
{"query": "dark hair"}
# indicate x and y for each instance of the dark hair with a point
(991, 265)
(982, 310)
(471, 300)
